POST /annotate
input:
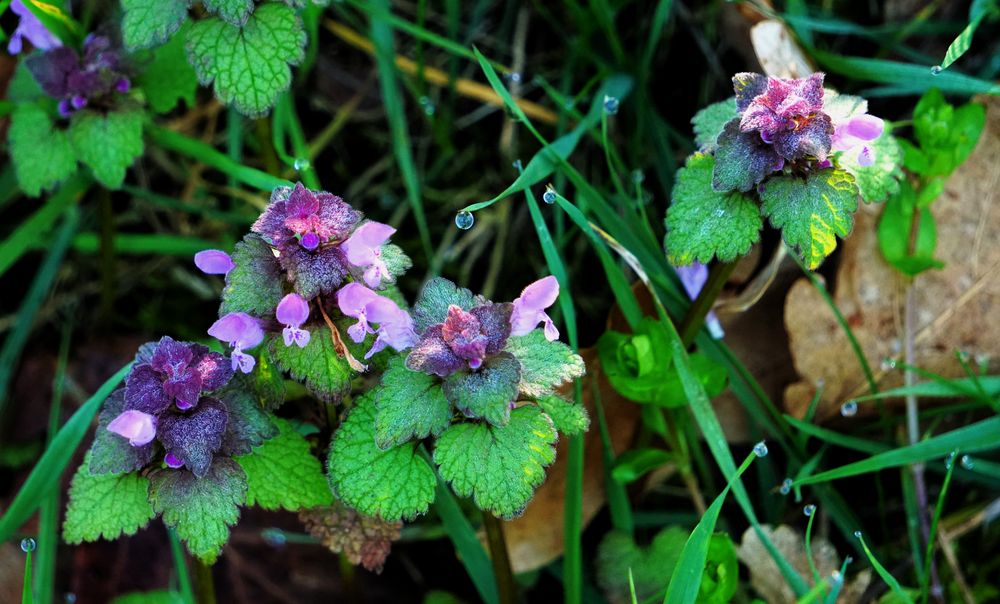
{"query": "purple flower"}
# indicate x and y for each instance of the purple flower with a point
(175, 372)
(529, 308)
(395, 326)
(852, 134)
(138, 427)
(32, 29)
(242, 332)
(787, 114)
(364, 250)
(464, 339)
(693, 278)
(214, 262)
(93, 78)
(292, 312)
(173, 461)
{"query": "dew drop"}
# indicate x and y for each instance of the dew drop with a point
(967, 462)
(936, 70)
(428, 105)
(888, 363)
(637, 176)
(760, 449)
(786, 486)
(983, 360)
(464, 220)
(517, 165)
(27, 544)
(836, 577)
(809, 510)
(963, 356)
(70, 598)
(611, 105)
(301, 163)
(549, 196)
(849, 409)
(515, 77)
(848, 560)
(950, 460)
(274, 537)
(857, 534)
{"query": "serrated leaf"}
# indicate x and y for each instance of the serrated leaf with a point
(568, 417)
(742, 159)
(324, 372)
(436, 296)
(499, 467)
(265, 382)
(42, 154)
(709, 122)
(283, 473)
(364, 540)
(107, 143)
(811, 212)
(409, 405)
(147, 23)
(488, 392)
(545, 365)
(23, 87)
(248, 426)
(396, 260)
(168, 77)
(881, 179)
(105, 506)
(200, 509)
(703, 223)
(392, 484)
(254, 285)
(249, 65)
(232, 11)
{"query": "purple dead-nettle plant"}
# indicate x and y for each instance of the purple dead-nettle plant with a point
(214, 262)
(395, 327)
(31, 29)
(96, 78)
(242, 332)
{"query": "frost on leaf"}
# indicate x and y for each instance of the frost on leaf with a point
(709, 122)
(392, 484)
(437, 295)
(409, 405)
(283, 473)
(254, 286)
(105, 506)
(545, 365)
(250, 64)
(569, 418)
(323, 370)
(107, 143)
(812, 212)
(500, 467)
(200, 509)
(703, 223)
(488, 392)
(148, 23)
(364, 540)
(42, 154)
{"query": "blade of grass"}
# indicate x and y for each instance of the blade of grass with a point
(686, 579)
(34, 229)
(381, 33)
(46, 474)
(914, 79)
(891, 581)
(180, 565)
(979, 10)
(836, 438)
(935, 520)
(944, 388)
(159, 244)
(27, 596)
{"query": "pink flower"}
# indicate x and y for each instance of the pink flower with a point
(292, 312)
(138, 427)
(32, 29)
(529, 308)
(364, 250)
(693, 278)
(853, 133)
(214, 262)
(395, 327)
(242, 332)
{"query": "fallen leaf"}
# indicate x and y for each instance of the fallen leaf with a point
(364, 540)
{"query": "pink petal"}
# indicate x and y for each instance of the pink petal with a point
(364, 241)
(865, 158)
(353, 297)
(865, 127)
(540, 294)
(138, 427)
(214, 262)
(237, 329)
(293, 310)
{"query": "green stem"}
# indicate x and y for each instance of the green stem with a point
(204, 583)
(501, 561)
(180, 564)
(695, 317)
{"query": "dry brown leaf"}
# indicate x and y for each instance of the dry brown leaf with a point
(957, 307)
(364, 540)
(777, 51)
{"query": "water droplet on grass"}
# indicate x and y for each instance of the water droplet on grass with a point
(936, 70)
(888, 363)
(300, 164)
(760, 449)
(549, 196)
(428, 105)
(857, 534)
(786, 486)
(27, 544)
(464, 220)
(849, 409)
(967, 462)
(809, 510)
(274, 537)
(611, 105)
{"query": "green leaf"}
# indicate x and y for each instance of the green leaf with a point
(500, 467)
(947, 135)
(393, 484)
(162, 596)
(713, 378)
(283, 473)
(148, 23)
(908, 251)
(881, 179)
(42, 154)
(107, 143)
(811, 213)
(233, 11)
(568, 417)
(488, 392)
(200, 509)
(23, 87)
(105, 506)
(635, 463)
(254, 285)
(167, 77)
(265, 382)
(324, 372)
(709, 122)
(651, 566)
(248, 425)
(545, 365)
(409, 405)
(250, 64)
(703, 223)
(435, 298)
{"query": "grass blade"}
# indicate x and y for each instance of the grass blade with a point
(160, 244)
(891, 581)
(47, 472)
(180, 565)
(836, 438)
(979, 10)
(27, 596)
(470, 550)
(34, 228)
(912, 79)
(990, 386)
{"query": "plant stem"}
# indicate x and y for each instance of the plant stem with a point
(204, 583)
(500, 559)
(695, 317)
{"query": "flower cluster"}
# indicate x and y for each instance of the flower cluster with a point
(165, 399)
(91, 79)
